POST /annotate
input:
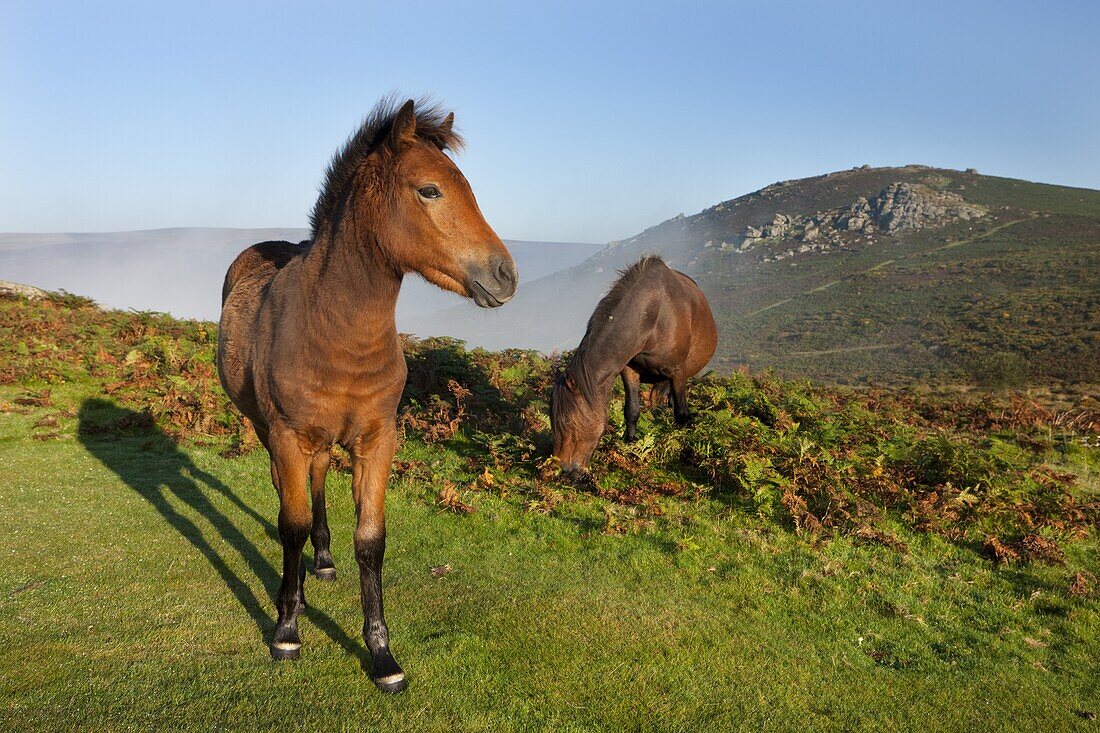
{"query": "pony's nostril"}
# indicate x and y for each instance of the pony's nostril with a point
(494, 283)
(505, 271)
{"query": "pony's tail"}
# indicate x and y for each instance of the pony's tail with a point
(659, 395)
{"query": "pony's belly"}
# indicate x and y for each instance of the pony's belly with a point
(650, 370)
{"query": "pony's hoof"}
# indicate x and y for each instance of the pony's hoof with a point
(392, 684)
(283, 651)
(325, 573)
(580, 479)
(386, 673)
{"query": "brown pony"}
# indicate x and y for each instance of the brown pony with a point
(308, 349)
(654, 326)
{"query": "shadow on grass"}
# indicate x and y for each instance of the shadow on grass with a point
(149, 462)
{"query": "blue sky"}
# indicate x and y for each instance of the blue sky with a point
(586, 121)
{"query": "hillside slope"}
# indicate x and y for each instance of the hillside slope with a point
(888, 274)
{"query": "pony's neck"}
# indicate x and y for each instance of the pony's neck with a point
(600, 357)
(595, 373)
(356, 286)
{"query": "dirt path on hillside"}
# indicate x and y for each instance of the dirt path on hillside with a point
(884, 263)
(824, 352)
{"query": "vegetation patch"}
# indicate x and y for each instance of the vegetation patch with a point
(984, 471)
(796, 557)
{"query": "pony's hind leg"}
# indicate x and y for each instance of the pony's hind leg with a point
(289, 470)
(678, 390)
(632, 404)
(323, 566)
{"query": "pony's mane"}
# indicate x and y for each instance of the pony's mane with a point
(627, 277)
(431, 127)
(578, 365)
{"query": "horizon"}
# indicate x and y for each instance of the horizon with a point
(585, 124)
(505, 237)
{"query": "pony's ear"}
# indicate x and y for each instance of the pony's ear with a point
(570, 384)
(448, 125)
(404, 125)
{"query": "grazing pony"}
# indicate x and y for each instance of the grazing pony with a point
(654, 326)
(308, 349)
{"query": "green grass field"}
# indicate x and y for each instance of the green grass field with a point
(140, 560)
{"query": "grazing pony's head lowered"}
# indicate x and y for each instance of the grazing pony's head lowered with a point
(578, 415)
(393, 180)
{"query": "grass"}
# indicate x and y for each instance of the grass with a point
(690, 590)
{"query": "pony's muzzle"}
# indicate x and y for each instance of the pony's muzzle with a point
(494, 285)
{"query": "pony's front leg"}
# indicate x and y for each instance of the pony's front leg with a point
(289, 467)
(323, 566)
(373, 455)
(631, 403)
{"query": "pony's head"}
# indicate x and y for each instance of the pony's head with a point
(395, 174)
(577, 424)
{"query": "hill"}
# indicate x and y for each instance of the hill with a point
(180, 271)
(910, 274)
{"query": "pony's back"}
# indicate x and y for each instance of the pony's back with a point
(243, 292)
(261, 261)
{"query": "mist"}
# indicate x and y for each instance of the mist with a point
(180, 271)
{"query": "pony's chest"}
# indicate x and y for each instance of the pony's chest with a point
(369, 386)
(352, 394)
(340, 401)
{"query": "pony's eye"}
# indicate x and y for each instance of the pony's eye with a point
(430, 192)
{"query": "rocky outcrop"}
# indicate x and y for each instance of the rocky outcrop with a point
(906, 206)
(18, 290)
(780, 227)
(900, 207)
(897, 208)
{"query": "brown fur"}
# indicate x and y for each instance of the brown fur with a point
(308, 349)
(654, 326)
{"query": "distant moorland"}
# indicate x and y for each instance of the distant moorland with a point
(901, 275)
